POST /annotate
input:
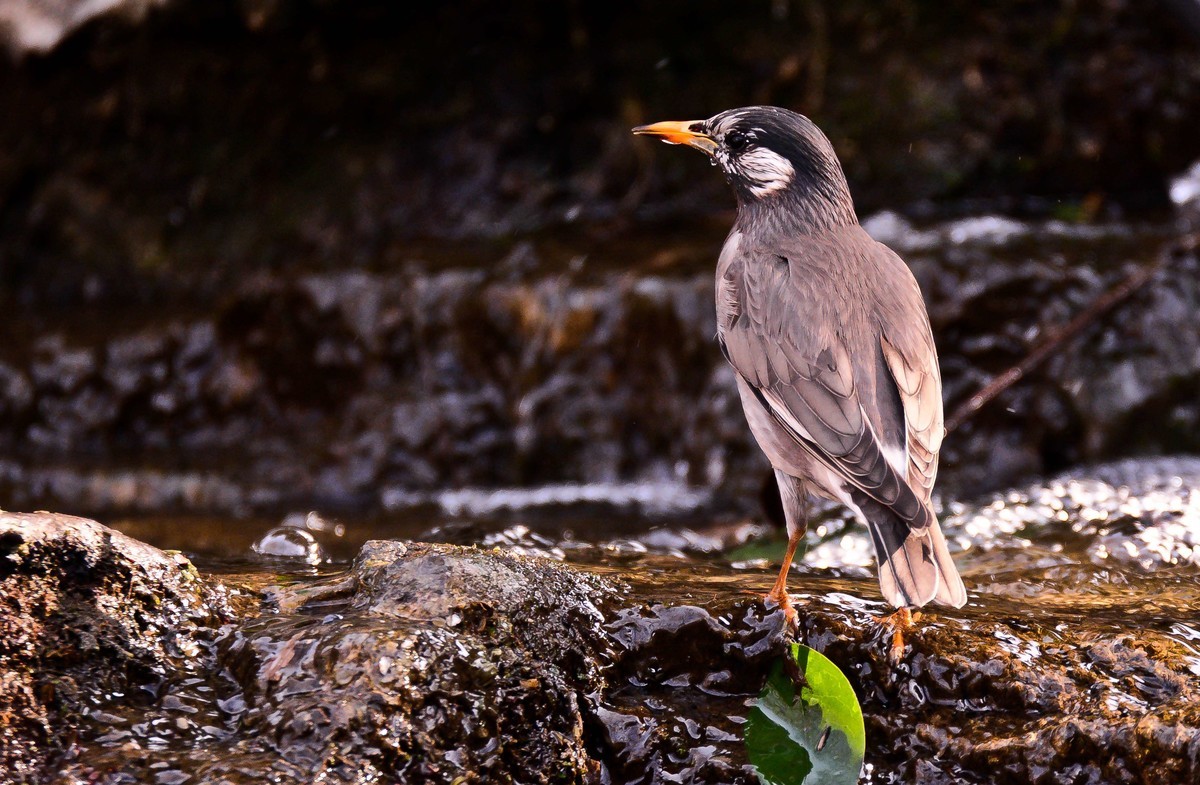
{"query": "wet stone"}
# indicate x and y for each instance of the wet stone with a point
(407, 380)
(88, 617)
(422, 663)
(1142, 514)
(625, 662)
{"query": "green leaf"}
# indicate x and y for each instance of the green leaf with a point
(766, 548)
(816, 736)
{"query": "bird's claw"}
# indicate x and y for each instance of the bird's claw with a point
(900, 622)
(781, 600)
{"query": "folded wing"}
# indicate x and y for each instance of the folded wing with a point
(864, 408)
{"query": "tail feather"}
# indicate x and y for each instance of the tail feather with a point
(951, 592)
(915, 566)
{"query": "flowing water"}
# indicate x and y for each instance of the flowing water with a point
(1053, 570)
(397, 400)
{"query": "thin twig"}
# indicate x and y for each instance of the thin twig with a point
(1056, 338)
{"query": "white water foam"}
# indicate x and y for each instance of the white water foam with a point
(651, 497)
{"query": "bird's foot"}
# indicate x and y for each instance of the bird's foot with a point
(900, 622)
(782, 600)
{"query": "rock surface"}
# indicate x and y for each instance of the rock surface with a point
(88, 617)
(355, 389)
(435, 663)
(424, 664)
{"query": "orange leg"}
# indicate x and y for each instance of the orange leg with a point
(778, 593)
(900, 622)
(794, 499)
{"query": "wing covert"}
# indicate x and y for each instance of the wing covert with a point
(809, 382)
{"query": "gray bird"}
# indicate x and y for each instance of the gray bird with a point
(829, 336)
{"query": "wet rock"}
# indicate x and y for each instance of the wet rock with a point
(380, 390)
(1041, 705)
(1000, 692)
(1140, 513)
(972, 701)
(424, 663)
(436, 662)
(1137, 517)
(554, 612)
(673, 659)
(1126, 386)
(460, 378)
(88, 616)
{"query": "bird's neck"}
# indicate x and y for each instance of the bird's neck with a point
(793, 213)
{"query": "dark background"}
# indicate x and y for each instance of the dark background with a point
(263, 253)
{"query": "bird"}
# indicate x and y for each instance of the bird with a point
(834, 355)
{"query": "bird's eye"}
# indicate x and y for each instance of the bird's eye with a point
(737, 141)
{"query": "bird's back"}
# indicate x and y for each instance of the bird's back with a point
(831, 336)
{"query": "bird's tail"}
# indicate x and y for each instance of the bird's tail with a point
(915, 567)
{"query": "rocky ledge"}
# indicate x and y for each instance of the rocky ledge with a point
(443, 663)
(89, 619)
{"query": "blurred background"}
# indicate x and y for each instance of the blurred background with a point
(367, 257)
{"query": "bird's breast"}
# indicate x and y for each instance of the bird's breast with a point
(727, 283)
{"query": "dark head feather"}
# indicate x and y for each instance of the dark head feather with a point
(782, 168)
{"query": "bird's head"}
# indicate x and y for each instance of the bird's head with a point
(773, 158)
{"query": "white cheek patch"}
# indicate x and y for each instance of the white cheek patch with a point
(767, 171)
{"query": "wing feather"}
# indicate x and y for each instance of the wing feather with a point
(918, 378)
(807, 380)
(789, 326)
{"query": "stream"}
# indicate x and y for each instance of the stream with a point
(560, 398)
(1095, 569)
(378, 357)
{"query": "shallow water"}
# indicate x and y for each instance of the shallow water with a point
(1061, 574)
(651, 483)
(1112, 540)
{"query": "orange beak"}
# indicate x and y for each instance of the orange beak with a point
(680, 133)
